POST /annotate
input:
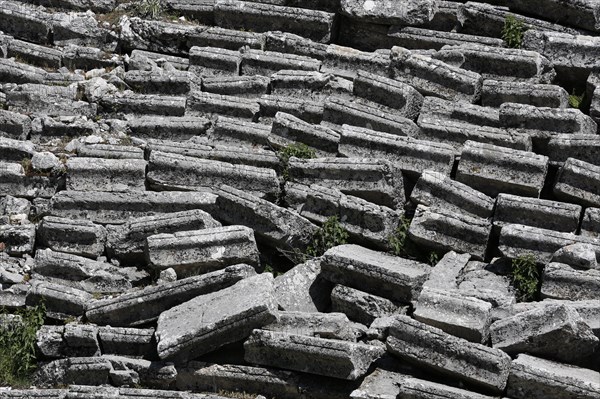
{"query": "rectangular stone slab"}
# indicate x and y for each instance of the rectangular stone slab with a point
(561, 281)
(432, 348)
(78, 237)
(374, 272)
(327, 357)
(210, 321)
(287, 129)
(496, 92)
(584, 147)
(579, 182)
(168, 127)
(258, 62)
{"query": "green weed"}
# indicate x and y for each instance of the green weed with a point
(399, 243)
(151, 9)
(330, 235)
(575, 100)
(512, 32)
(525, 277)
(298, 150)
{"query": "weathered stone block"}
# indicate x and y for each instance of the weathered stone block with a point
(241, 86)
(494, 93)
(60, 301)
(360, 306)
(287, 129)
(383, 12)
(135, 342)
(584, 147)
(78, 237)
(308, 110)
(257, 62)
(207, 104)
(579, 182)
(561, 281)
(419, 38)
(213, 61)
(97, 174)
(590, 224)
(18, 239)
(302, 289)
(166, 127)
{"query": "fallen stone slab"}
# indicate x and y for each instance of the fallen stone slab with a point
(327, 357)
(275, 226)
(315, 324)
(14, 125)
(457, 314)
(311, 84)
(133, 342)
(360, 306)
(414, 38)
(143, 306)
(410, 155)
(346, 61)
(213, 61)
(159, 82)
(461, 111)
(517, 240)
(61, 302)
(389, 13)
(535, 212)
(370, 179)
(439, 191)
(139, 60)
(17, 240)
(499, 63)
(35, 54)
(381, 384)
(444, 230)
(201, 251)
(257, 62)
(208, 104)
(485, 167)
(578, 182)
(231, 39)
(257, 17)
(287, 129)
(126, 242)
(494, 93)
(555, 331)
(363, 113)
(583, 147)
(535, 378)
(241, 86)
(75, 370)
(307, 109)
(97, 174)
(389, 92)
(302, 289)
(166, 127)
(117, 208)
(560, 281)
(167, 170)
(16, 182)
(581, 14)
(285, 42)
(25, 22)
(224, 317)
(434, 77)
(578, 256)
(431, 348)
(143, 104)
(77, 237)
(378, 273)
(110, 151)
(233, 131)
(590, 224)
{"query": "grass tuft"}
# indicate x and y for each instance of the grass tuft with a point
(524, 275)
(512, 32)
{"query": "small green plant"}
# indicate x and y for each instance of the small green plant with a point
(298, 150)
(433, 258)
(512, 32)
(17, 346)
(151, 9)
(399, 242)
(575, 100)
(525, 277)
(331, 234)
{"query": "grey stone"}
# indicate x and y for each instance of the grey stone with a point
(388, 13)
(231, 39)
(45, 161)
(410, 155)
(445, 273)
(494, 93)
(110, 151)
(143, 104)
(232, 131)
(312, 84)
(142, 306)
(167, 127)
(126, 242)
(554, 331)
(307, 109)
(212, 61)
(364, 113)
(485, 167)
(257, 62)
(76, 370)
(360, 306)
(16, 72)
(14, 181)
(154, 374)
(97, 174)
(285, 42)
(590, 225)
(12, 150)
(374, 272)
(25, 23)
(380, 384)
(579, 256)
(134, 342)
(434, 77)
(461, 111)
(78, 237)
(419, 38)
(302, 289)
(156, 36)
(14, 125)
(60, 301)
(581, 14)
(534, 212)
(327, 357)
(202, 251)
(444, 230)
(578, 182)
(536, 378)
(484, 281)
(180, 63)
(17, 240)
(242, 86)
(455, 357)
(314, 24)
(160, 82)
(287, 129)
(346, 61)
(34, 54)
(439, 191)
(583, 147)
(315, 324)
(560, 281)
(166, 276)
(207, 104)
(223, 317)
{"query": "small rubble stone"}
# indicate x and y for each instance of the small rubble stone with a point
(579, 256)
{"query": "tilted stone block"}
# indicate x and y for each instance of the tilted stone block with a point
(75, 56)
(370, 179)
(12, 150)
(333, 358)
(346, 61)
(438, 190)
(360, 306)
(179, 63)
(199, 10)
(97, 174)
(231, 39)
(117, 208)
(143, 306)
(159, 82)
(311, 84)
(315, 324)
(172, 128)
(76, 370)
(25, 22)
(581, 14)
(485, 167)
(173, 170)
(13, 71)
(157, 36)
(419, 38)
(578, 256)
(545, 214)
(517, 240)
(78, 237)
(410, 155)
(536, 378)
(590, 224)
(135, 342)
(237, 131)
(60, 301)
(216, 319)
(584, 147)
(127, 241)
(14, 125)
(302, 289)
(579, 182)
(241, 86)
(499, 63)
(16, 182)
(445, 230)
(363, 113)
(388, 13)
(494, 93)
(206, 104)
(202, 251)
(434, 77)
(389, 92)
(561, 281)
(379, 273)
(213, 61)
(455, 357)
(381, 384)
(257, 62)
(308, 110)
(156, 374)
(144, 104)
(35, 54)
(461, 111)
(110, 151)
(285, 42)
(18, 240)
(553, 331)
(445, 273)
(276, 226)
(287, 129)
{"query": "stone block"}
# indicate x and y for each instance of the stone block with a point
(168, 127)
(241, 86)
(207, 104)
(97, 174)
(302, 289)
(214, 61)
(590, 224)
(580, 14)
(307, 109)
(578, 182)
(14, 125)
(143, 104)
(75, 370)
(584, 147)
(239, 132)
(110, 151)
(287, 129)
(360, 306)
(61, 302)
(418, 38)
(214, 36)
(494, 93)
(461, 111)
(315, 324)
(389, 13)
(257, 62)
(560, 281)
(17, 240)
(159, 82)
(77, 237)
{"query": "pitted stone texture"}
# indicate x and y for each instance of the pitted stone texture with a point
(315, 324)
(578, 256)
(78, 237)
(584, 147)
(302, 289)
(409, 12)
(495, 93)
(579, 182)
(361, 307)
(560, 281)
(97, 174)
(210, 321)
